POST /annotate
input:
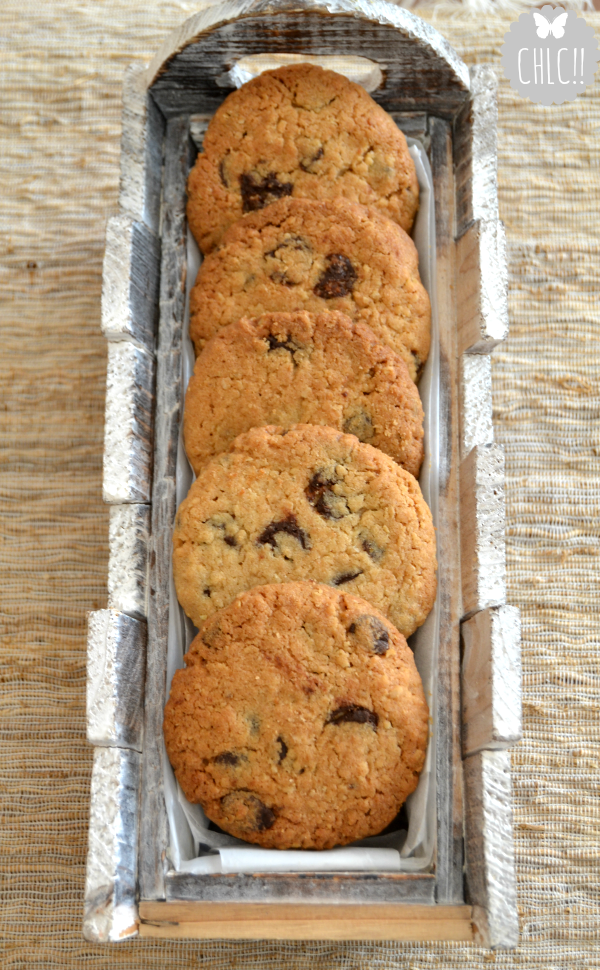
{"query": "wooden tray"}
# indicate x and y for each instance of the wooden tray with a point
(131, 889)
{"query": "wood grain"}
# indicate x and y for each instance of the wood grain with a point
(142, 134)
(116, 658)
(490, 860)
(128, 537)
(482, 521)
(305, 921)
(476, 427)
(303, 887)
(110, 910)
(130, 279)
(128, 424)
(332, 929)
(154, 827)
(449, 887)
(476, 151)
(421, 71)
(482, 287)
(491, 679)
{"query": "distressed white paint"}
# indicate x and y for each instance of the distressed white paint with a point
(128, 424)
(482, 287)
(490, 861)
(110, 907)
(116, 660)
(491, 679)
(141, 151)
(130, 279)
(475, 402)
(482, 523)
(128, 534)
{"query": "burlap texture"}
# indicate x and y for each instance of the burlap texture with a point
(61, 66)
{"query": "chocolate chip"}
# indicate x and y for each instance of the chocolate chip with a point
(287, 344)
(372, 633)
(257, 192)
(283, 749)
(265, 818)
(206, 591)
(398, 823)
(222, 174)
(306, 163)
(227, 758)
(283, 279)
(257, 816)
(289, 526)
(345, 578)
(372, 549)
(323, 499)
(338, 279)
(359, 424)
(353, 713)
(381, 637)
(222, 522)
(290, 241)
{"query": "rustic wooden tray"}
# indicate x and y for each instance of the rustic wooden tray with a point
(130, 886)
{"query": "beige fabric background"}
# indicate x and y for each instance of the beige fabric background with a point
(61, 64)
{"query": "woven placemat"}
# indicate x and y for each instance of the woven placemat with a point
(61, 66)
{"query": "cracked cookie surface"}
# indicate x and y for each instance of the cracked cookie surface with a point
(298, 131)
(302, 368)
(299, 720)
(305, 503)
(318, 256)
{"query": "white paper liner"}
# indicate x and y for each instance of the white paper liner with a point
(361, 70)
(194, 846)
(327, 860)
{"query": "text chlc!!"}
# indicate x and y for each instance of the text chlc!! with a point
(539, 65)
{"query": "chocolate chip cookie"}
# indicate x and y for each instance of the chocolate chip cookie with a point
(298, 131)
(299, 721)
(308, 503)
(317, 256)
(302, 368)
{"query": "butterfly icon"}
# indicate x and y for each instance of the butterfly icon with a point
(556, 28)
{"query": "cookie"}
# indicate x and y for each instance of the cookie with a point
(317, 256)
(308, 503)
(302, 368)
(300, 720)
(298, 131)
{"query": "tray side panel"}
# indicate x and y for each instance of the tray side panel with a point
(331, 887)
(154, 833)
(449, 888)
(417, 77)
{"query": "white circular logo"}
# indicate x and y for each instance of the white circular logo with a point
(549, 56)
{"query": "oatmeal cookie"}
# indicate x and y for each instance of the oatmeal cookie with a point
(298, 131)
(299, 721)
(317, 256)
(302, 368)
(306, 503)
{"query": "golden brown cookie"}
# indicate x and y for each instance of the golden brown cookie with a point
(308, 503)
(317, 256)
(300, 720)
(298, 131)
(302, 368)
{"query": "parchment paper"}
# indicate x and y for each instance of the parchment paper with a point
(196, 845)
